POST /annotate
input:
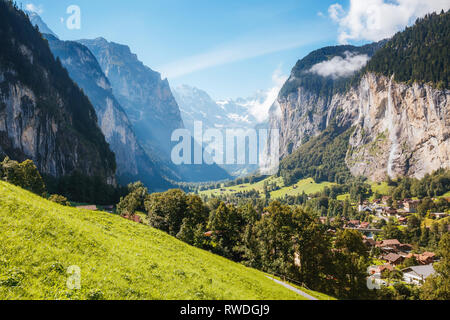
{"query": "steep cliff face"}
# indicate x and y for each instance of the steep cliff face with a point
(302, 115)
(302, 108)
(151, 108)
(401, 130)
(43, 114)
(392, 97)
(132, 161)
(146, 98)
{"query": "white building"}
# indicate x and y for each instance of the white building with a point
(417, 274)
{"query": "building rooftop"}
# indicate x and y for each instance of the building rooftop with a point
(424, 271)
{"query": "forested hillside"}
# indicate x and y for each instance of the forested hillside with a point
(325, 86)
(397, 130)
(420, 53)
(44, 116)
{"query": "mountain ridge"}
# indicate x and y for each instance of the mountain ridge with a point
(400, 129)
(44, 116)
(151, 107)
(132, 161)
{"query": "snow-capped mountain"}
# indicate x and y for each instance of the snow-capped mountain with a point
(241, 113)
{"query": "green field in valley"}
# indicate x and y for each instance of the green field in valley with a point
(118, 259)
(309, 186)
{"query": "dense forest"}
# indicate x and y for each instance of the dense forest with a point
(288, 240)
(420, 53)
(322, 157)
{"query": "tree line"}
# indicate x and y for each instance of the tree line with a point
(273, 237)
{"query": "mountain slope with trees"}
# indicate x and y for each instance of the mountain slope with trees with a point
(133, 163)
(398, 107)
(44, 116)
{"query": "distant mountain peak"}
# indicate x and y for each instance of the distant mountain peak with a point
(36, 20)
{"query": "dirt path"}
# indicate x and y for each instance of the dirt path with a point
(307, 296)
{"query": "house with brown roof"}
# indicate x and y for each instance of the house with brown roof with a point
(389, 246)
(364, 225)
(353, 224)
(369, 242)
(393, 259)
(389, 212)
(390, 243)
(424, 258)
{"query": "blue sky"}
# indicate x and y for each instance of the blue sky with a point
(228, 48)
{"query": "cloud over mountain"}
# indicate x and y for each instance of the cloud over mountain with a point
(340, 67)
(375, 20)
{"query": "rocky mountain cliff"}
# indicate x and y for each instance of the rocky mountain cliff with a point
(132, 161)
(302, 107)
(44, 116)
(145, 97)
(398, 128)
(401, 130)
(151, 108)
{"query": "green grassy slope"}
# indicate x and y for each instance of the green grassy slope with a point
(119, 259)
(258, 186)
(309, 186)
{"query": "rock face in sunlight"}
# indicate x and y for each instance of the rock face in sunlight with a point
(132, 161)
(400, 128)
(303, 105)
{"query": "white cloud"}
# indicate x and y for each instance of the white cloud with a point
(375, 20)
(260, 109)
(33, 8)
(335, 11)
(339, 66)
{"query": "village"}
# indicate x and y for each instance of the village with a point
(394, 261)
